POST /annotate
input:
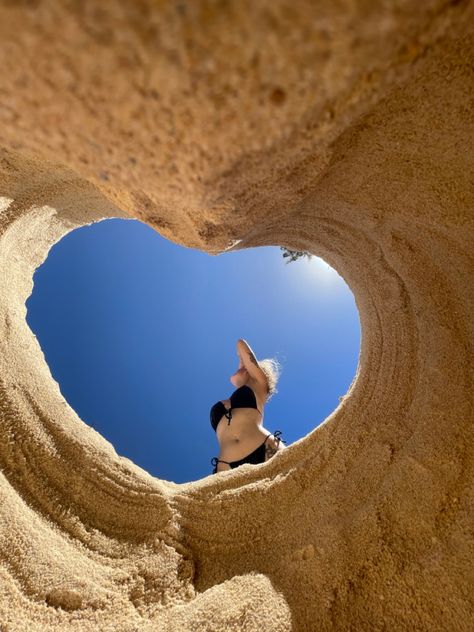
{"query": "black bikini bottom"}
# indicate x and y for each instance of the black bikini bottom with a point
(255, 457)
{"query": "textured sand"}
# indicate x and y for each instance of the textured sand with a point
(342, 128)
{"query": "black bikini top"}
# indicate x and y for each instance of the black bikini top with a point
(243, 397)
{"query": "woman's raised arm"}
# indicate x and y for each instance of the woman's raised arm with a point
(250, 362)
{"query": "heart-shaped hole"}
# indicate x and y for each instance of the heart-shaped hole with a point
(141, 336)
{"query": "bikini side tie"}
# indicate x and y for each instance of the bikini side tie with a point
(277, 435)
(215, 461)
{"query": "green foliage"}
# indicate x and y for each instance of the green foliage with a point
(294, 254)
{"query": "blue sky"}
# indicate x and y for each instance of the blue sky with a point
(141, 335)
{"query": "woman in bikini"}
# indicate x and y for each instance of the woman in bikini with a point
(238, 421)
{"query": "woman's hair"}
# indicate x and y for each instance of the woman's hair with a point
(272, 369)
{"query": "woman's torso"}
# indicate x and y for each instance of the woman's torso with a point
(245, 432)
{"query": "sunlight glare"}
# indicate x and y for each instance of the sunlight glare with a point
(319, 271)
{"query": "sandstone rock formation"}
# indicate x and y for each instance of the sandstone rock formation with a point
(342, 128)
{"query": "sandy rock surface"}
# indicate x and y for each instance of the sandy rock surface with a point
(344, 129)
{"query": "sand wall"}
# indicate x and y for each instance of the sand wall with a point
(344, 130)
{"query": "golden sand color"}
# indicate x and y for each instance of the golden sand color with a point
(343, 129)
